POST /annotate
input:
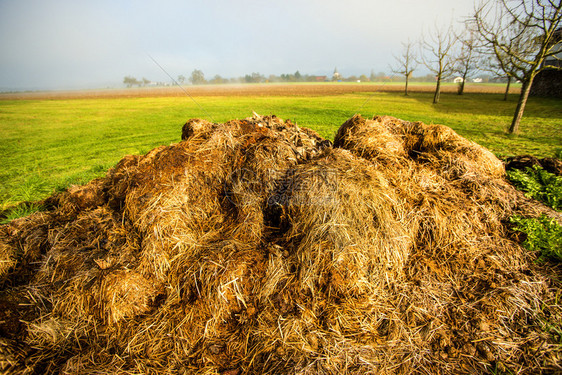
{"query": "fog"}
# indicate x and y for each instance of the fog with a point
(65, 44)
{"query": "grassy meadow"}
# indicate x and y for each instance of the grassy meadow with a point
(48, 145)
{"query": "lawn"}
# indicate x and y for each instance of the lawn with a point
(49, 144)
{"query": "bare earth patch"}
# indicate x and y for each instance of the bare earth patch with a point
(244, 90)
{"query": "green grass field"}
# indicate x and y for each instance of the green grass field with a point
(50, 144)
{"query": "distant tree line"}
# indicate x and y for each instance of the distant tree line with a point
(197, 77)
(132, 81)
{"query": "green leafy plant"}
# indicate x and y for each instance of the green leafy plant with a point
(543, 234)
(539, 184)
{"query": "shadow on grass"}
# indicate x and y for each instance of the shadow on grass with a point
(491, 104)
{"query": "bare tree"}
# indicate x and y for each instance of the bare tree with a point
(437, 56)
(522, 35)
(466, 62)
(406, 63)
(491, 65)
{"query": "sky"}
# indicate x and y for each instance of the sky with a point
(73, 44)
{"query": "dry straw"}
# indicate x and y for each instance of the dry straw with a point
(257, 247)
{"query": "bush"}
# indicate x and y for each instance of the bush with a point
(539, 184)
(544, 235)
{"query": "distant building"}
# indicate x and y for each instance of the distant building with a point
(549, 81)
(336, 76)
(477, 80)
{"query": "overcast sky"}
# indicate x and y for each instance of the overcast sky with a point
(68, 44)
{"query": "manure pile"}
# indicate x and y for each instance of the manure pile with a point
(258, 247)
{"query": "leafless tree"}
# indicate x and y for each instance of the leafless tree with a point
(522, 35)
(466, 61)
(490, 64)
(437, 56)
(406, 63)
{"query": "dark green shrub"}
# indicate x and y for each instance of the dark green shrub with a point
(543, 234)
(538, 184)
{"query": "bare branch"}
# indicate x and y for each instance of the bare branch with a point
(520, 35)
(406, 63)
(437, 57)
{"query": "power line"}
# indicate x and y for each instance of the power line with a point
(182, 88)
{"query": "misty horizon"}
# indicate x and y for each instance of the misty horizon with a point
(64, 44)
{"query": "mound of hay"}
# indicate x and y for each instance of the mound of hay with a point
(257, 247)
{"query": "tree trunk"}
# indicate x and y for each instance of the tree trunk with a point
(461, 90)
(406, 87)
(507, 88)
(437, 91)
(514, 128)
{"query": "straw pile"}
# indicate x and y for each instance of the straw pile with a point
(258, 247)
